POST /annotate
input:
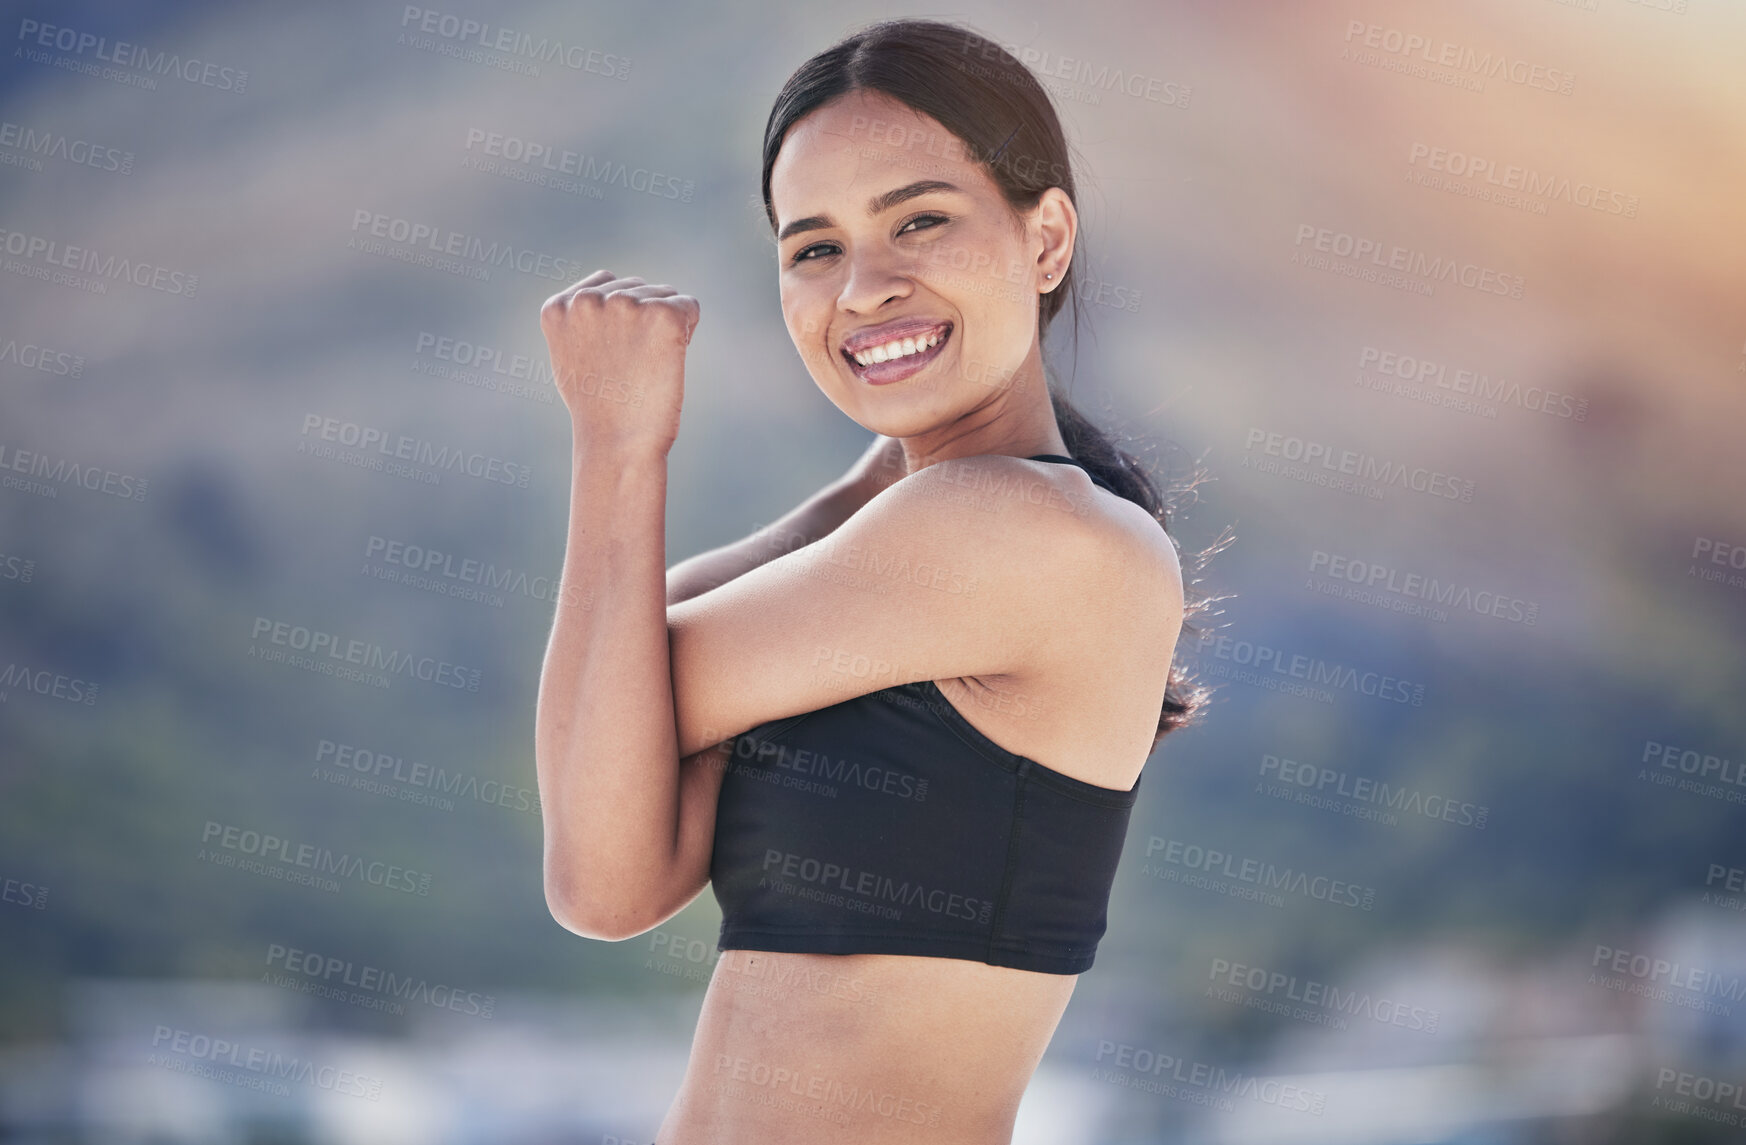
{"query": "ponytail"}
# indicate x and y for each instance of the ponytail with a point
(1184, 696)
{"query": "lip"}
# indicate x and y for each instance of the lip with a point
(896, 370)
(894, 330)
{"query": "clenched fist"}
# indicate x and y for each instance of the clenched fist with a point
(618, 357)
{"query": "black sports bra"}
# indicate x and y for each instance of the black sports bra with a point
(888, 824)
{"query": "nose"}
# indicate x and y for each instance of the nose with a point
(875, 277)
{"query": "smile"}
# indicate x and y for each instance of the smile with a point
(898, 358)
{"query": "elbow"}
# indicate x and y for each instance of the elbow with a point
(594, 915)
(594, 920)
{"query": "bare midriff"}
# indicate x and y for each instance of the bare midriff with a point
(862, 1049)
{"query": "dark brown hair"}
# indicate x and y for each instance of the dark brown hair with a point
(1004, 120)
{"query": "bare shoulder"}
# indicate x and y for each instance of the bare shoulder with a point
(1050, 523)
(1095, 584)
(984, 568)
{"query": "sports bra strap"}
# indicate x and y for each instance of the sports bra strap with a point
(1062, 459)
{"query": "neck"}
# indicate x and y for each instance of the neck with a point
(1017, 420)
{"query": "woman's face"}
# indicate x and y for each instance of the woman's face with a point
(908, 286)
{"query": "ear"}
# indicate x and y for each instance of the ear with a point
(1054, 226)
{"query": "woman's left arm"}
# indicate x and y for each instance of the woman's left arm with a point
(812, 520)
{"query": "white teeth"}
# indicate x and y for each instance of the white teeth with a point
(897, 349)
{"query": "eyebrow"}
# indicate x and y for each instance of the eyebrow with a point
(875, 205)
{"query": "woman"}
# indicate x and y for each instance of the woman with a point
(901, 729)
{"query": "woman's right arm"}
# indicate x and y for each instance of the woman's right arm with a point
(627, 826)
(815, 518)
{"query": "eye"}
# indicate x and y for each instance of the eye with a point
(804, 253)
(932, 219)
(807, 253)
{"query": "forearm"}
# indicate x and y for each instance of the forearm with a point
(605, 743)
(816, 517)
